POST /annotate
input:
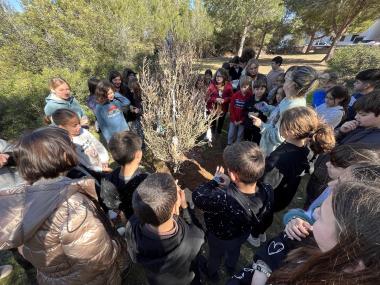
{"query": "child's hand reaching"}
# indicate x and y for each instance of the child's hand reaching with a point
(256, 121)
(298, 229)
(221, 178)
(106, 168)
(349, 126)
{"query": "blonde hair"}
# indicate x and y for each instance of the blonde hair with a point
(57, 81)
(302, 123)
(305, 78)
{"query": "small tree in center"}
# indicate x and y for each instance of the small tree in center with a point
(174, 118)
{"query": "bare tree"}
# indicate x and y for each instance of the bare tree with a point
(174, 118)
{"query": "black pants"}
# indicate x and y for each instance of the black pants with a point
(273, 253)
(218, 248)
(217, 124)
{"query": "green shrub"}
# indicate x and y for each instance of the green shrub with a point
(22, 98)
(348, 61)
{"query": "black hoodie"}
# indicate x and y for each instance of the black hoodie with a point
(167, 260)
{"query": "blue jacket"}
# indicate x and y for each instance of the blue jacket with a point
(110, 116)
(54, 103)
(318, 97)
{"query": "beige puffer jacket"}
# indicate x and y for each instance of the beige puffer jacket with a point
(57, 228)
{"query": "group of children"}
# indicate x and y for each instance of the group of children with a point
(83, 222)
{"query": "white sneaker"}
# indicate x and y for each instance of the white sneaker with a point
(254, 241)
(263, 237)
(5, 271)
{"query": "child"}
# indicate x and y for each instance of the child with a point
(208, 76)
(327, 81)
(251, 132)
(299, 127)
(341, 158)
(91, 100)
(135, 109)
(364, 129)
(299, 222)
(366, 126)
(233, 210)
(343, 231)
(115, 78)
(109, 110)
(278, 83)
(335, 106)
(280, 95)
(56, 222)
(235, 69)
(275, 72)
(91, 153)
(158, 238)
(237, 111)
(219, 94)
(298, 81)
(125, 148)
(60, 97)
(366, 81)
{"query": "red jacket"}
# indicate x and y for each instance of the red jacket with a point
(238, 100)
(212, 94)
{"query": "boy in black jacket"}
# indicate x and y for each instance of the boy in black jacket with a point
(157, 238)
(125, 148)
(232, 210)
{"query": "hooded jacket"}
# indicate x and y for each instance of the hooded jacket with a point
(54, 103)
(57, 228)
(167, 260)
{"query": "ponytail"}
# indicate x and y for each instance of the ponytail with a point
(322, 140)
(304, 123)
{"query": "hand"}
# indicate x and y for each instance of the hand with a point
(182, 196)
(349, 126)
(220, 177)
(256, 121)
(106, 168)
(298, 229)
(3, 159)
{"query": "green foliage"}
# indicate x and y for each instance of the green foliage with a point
(348, 61)
(79, 39)
(232, 17)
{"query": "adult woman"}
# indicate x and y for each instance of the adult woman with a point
(298, 81)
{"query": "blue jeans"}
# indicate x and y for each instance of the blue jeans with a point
(235, 133)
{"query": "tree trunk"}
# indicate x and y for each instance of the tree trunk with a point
(331, 50)
(261, 43)
(242, 40)
(312, 37)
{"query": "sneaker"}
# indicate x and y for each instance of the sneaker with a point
(5, 271)
(254, 241)
(202, 263)
(263, 237)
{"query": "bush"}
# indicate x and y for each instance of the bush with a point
(22, 98)
(348, 61)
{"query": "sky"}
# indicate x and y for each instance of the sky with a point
(15, 4)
